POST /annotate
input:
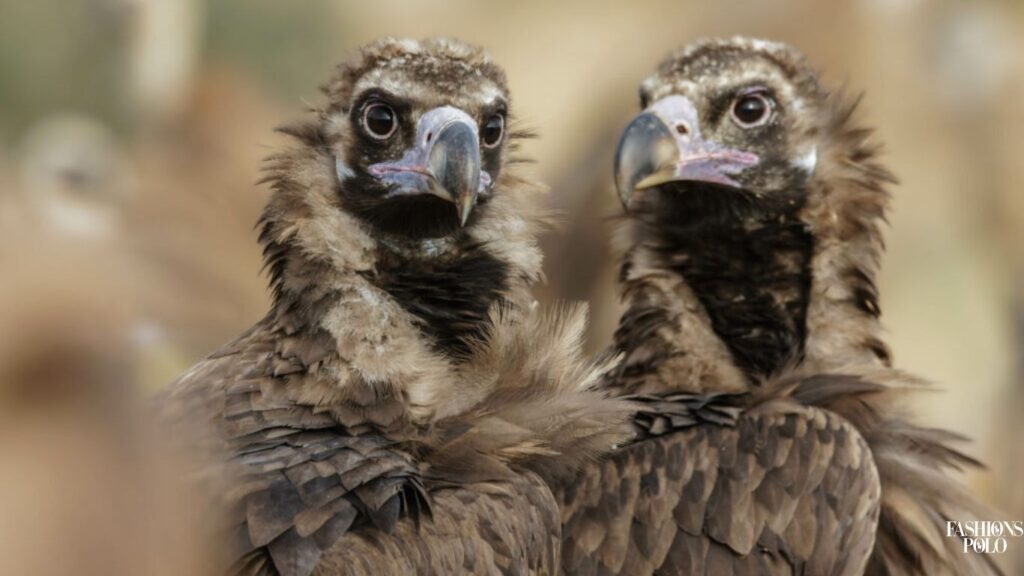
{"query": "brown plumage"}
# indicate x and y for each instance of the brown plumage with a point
(402, 407)
(751, 247)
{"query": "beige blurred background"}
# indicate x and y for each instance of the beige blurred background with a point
(131, 133)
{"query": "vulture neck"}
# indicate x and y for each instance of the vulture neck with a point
(748, 267)
(448, 287)
(381, 345)
(723, 291)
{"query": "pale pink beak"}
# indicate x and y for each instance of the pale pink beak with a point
(664, 144)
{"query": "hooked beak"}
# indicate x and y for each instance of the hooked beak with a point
(664, 144)
(444, 162)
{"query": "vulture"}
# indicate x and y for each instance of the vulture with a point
(752, 240)
(403, 407)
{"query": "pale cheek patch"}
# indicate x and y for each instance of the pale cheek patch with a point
(649, 84)
(488, 91)
(342, 169)
(338, 125)
(808, 161)
(485, 183)
(681, 87)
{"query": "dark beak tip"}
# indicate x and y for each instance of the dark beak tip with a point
(455, 162)
(651, 153)
(445, 161)
(646, 145)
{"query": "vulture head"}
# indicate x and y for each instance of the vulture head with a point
(409, 151)
(417, 133)
(414, 133)
(734, 122)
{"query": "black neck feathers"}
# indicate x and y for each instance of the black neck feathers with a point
(449, 295)
(748, 262)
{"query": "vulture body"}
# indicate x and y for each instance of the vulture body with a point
(402, 408)
(752, 243)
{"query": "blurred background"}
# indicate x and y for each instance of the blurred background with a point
(131, 134)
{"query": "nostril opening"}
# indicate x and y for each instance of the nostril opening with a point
(682, 129)
(429, 136)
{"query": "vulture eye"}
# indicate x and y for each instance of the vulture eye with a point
(493, 130)
(751, 110)
(379, 120)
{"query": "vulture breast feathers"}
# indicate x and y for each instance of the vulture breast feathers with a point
(752, 240)
(402, 408)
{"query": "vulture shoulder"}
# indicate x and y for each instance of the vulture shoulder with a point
(296, 481)
(483, 529)
(920, 470)
(465, 493)
(727, 484)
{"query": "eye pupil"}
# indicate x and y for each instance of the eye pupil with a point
(751, 110)
(493, 130)
(379, 120)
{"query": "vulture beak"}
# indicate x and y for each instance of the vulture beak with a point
(444, 162)
(663, 144)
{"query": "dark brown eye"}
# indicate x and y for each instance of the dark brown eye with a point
(492, 131)
(379, 120)
(751, 110)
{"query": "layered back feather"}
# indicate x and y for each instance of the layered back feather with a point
(920, 470)
(536, 406)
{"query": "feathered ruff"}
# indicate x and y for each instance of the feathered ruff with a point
(846, 210)
(534, 402)
(919, 469)
(519, 409)
(308, 492)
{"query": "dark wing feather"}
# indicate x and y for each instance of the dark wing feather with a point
(489, 466)
(919, 469)
(508, 527)
(299, 482)
(780, 488)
